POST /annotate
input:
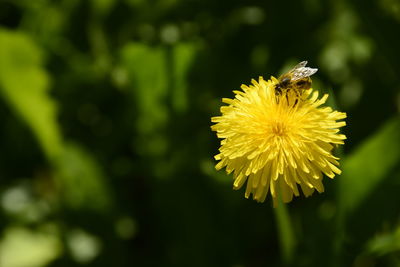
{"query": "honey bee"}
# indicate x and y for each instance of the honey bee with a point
(296, 79)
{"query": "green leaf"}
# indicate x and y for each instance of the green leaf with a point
(385, 243)
(81, 180)
(184, 54)
(102, 7)
(369, 164)
(146, 67)
(24, 86)
(148, 82)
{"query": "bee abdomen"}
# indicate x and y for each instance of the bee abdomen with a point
(303, 84)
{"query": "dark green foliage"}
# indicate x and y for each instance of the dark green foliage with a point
(107, 153)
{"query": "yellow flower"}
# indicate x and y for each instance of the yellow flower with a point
(277, 141)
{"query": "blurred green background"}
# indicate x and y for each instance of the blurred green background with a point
(106, 155)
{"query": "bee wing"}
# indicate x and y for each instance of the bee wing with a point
(302, 72)
(300, 65)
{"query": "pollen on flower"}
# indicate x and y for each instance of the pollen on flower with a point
(278, 128)
(278, 142)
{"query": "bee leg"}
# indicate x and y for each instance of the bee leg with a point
(278, 89)
(296, 98)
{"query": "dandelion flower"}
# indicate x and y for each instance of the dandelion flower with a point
(278, 141)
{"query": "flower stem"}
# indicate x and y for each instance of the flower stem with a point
(285, 232)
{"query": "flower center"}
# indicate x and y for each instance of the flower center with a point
(279, 128)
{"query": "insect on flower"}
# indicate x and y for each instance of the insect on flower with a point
(297, 79)
(278, 137)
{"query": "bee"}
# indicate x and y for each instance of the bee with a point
(297, 79)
